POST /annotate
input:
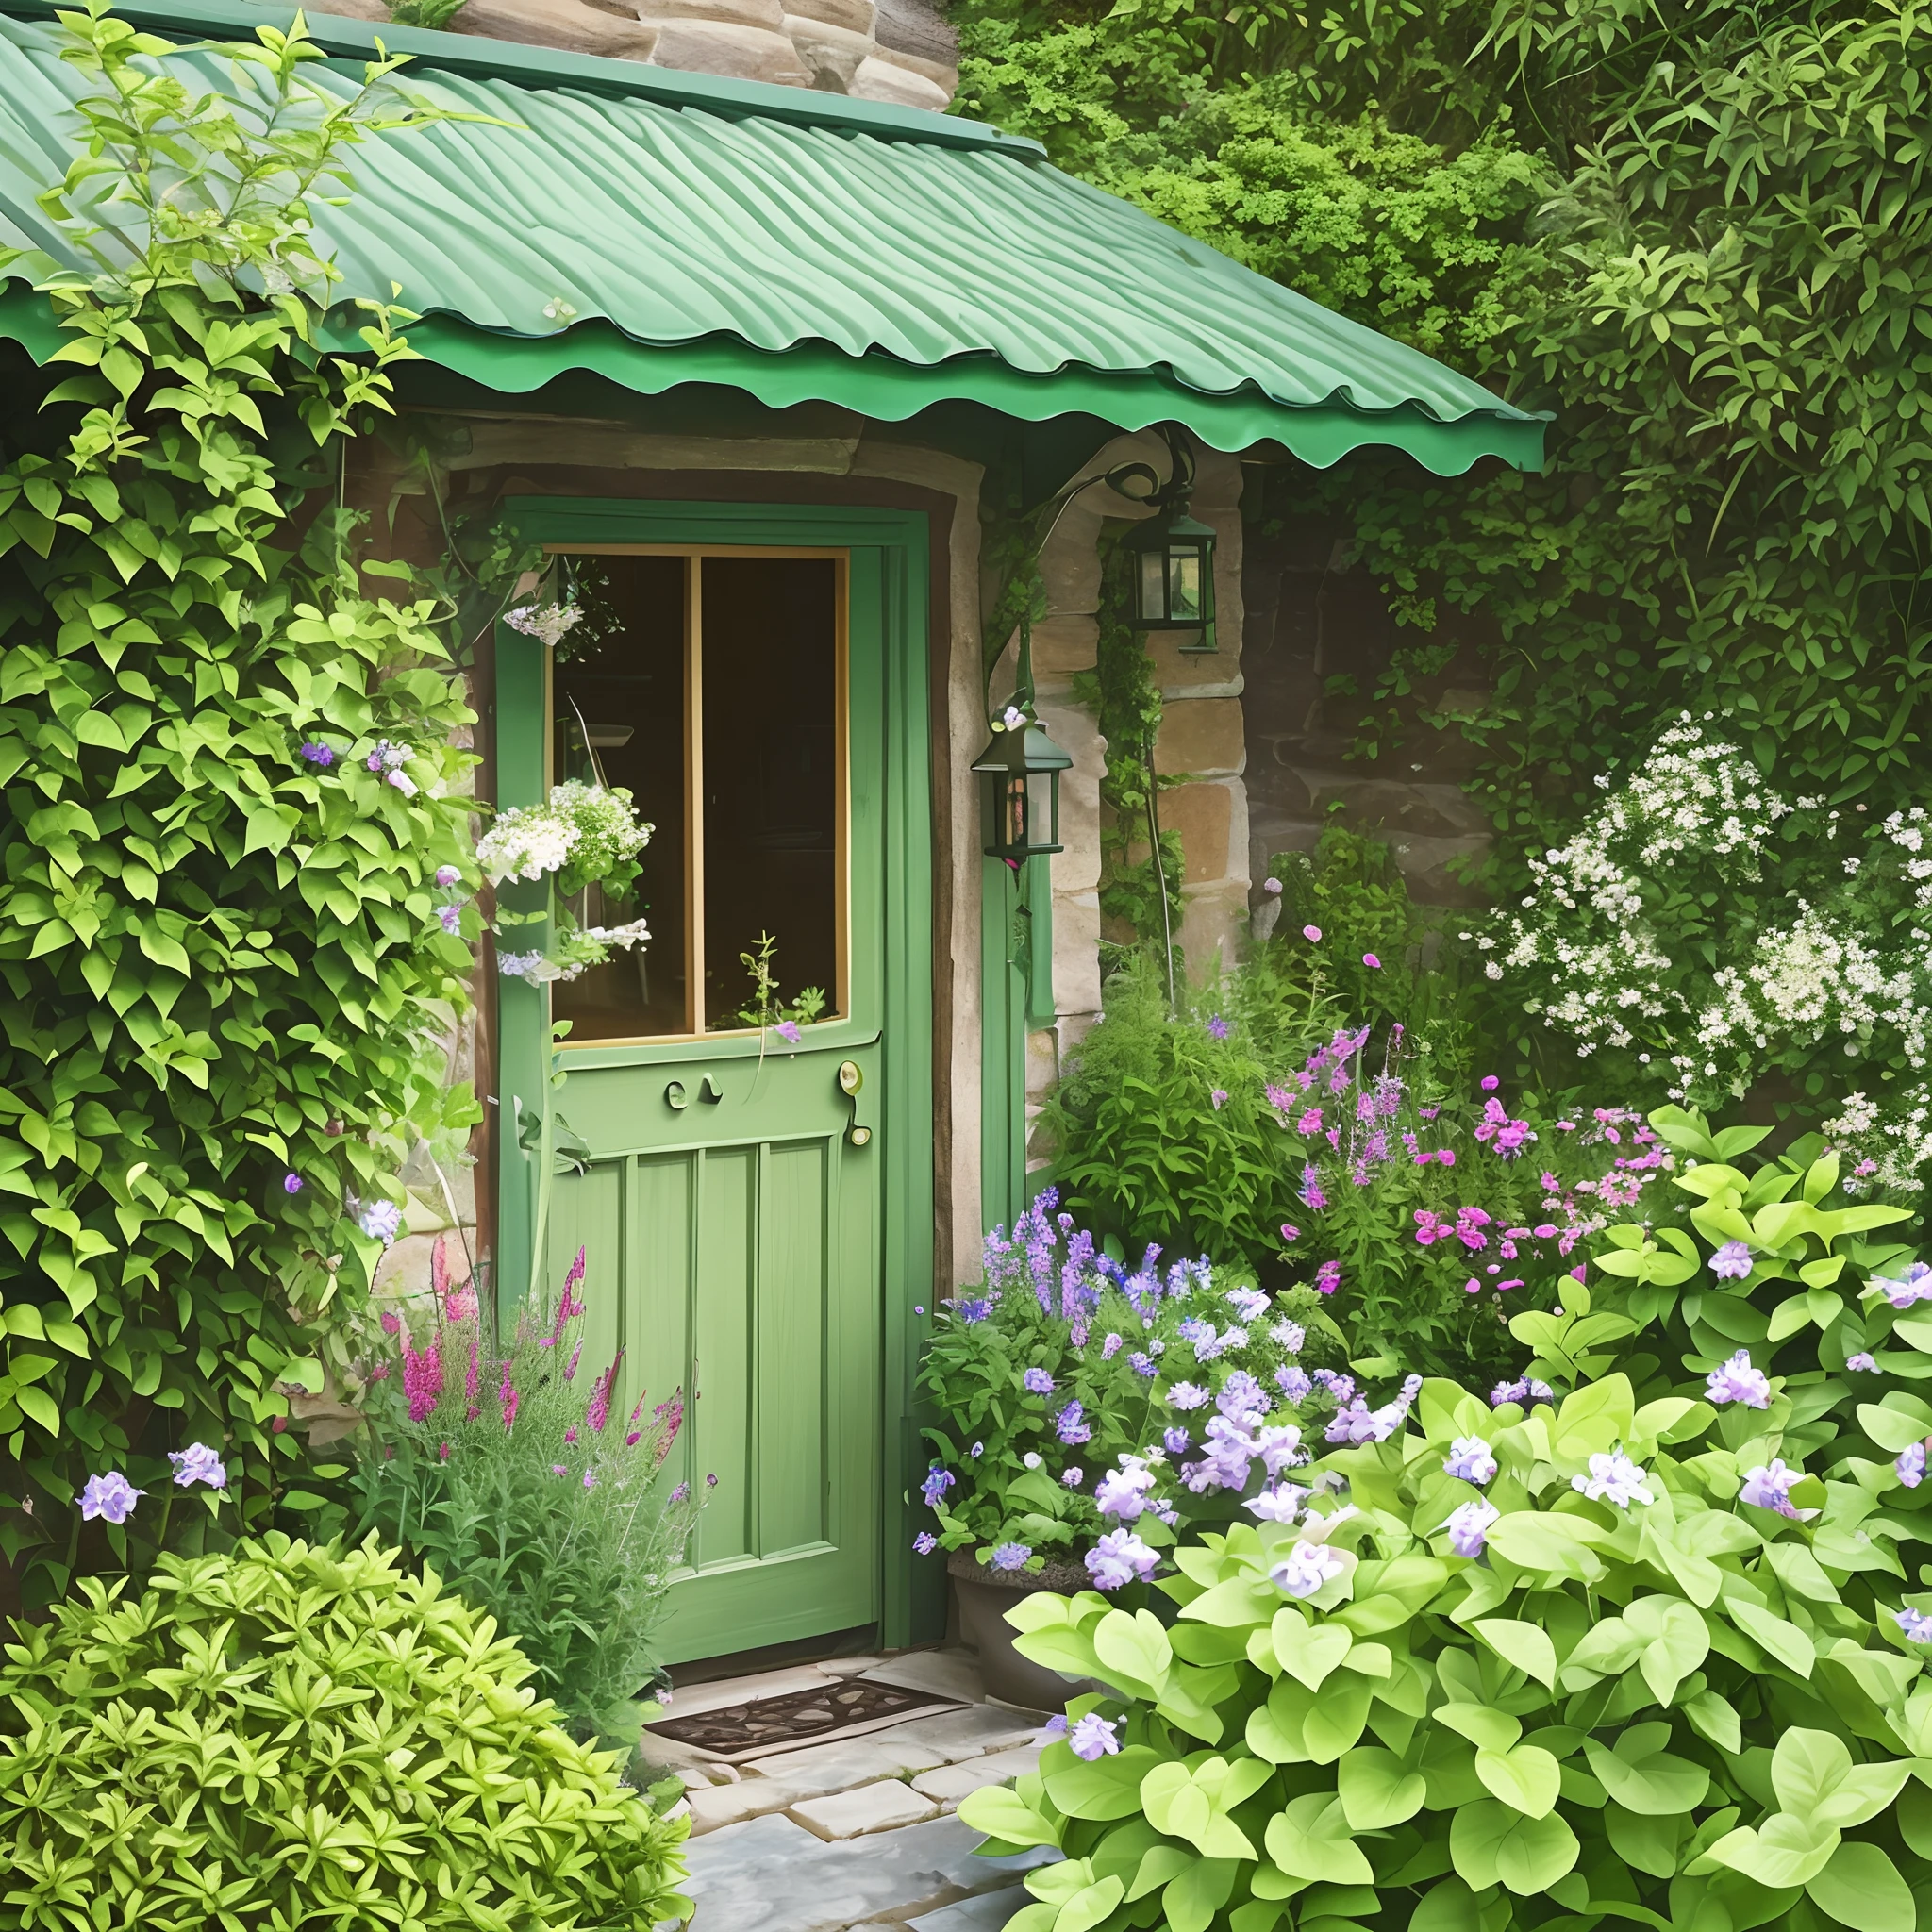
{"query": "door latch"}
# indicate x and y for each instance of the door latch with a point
(850, 1081)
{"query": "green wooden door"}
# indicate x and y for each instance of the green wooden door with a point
(744, 1198)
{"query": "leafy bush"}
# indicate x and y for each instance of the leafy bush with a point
(289, 1735)
(229, 786)
(1651, 1650)
(511, 1478)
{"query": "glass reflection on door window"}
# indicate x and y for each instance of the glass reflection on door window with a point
(712, 688)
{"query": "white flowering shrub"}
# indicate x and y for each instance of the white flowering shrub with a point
(1706, 923)
(583, 835)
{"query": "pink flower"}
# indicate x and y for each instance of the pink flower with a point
(392, 1324)
(1369, 959)
(570, 1435)
(599, 1411)
(442, 1454)
(1219, 1097)
(1489, 1083)
(423, 1379)
(509, 1398)
(1312, 932)
(1290, 1232)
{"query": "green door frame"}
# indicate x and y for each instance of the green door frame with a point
(904, 1138)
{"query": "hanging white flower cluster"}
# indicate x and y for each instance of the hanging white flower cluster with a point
(549, 624)
(587, 827)
(1609, 948)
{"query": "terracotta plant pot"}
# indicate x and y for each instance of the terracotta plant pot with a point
(985, 1597)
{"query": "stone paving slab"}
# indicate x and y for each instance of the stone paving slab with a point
(946, 1672)
(958, 1734)
(770, 1875)
(988, 1912)
(714, 1807)
(838, 1767)
(883, 1806)
(952, 1782)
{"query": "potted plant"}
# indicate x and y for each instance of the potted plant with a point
(1089, 1410)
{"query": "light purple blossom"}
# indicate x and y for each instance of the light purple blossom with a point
(1732, 1262)
(1120, 1557)
(1525, 1392)
(1142, 1364)
(1910, 1465)
(1010, 1556)
(1468, 1527)
(110, 1497)
(938, 1481)
(1109, 1347)
(1470, 1459)
(1124, 1492)
(1249, 1304)
(1915, 1285)
(1240, 1394)
(1282, 1504)
(1093, 1738)
(447, 875)
(1614, 1479)
(1289, 1335)
(1218, 1029)
(1071, 1425)
(925, 1543)
(381, 1220)
(450, 917)
(1037, 1382)
(1072, 1477)
(1307, 1570)
(198, 1463)
(1861, 1364)
(291, 1184)
(318, 754)
(1738, 1381)
(1768, 1487)
(1187, 1395)
(787, 1031)
(1915, 1626)
(1293, 1382)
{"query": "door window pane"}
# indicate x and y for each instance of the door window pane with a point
(618, 707)
(772, 785)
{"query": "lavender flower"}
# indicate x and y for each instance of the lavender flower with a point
(1915, 1626)
(1468, 1527)
(974, 1309)
(198, 1463)
(1218, 1029)
(1307, 1570)
(291, 1184)
(1614, 1479)
(1093, 1738)
(1010, 1556)
(1240, 1394)
(1071, 1425)
(110, 1497)
(1768, 1487)
(1292, 1382)
(1142, 1364)
(1124, 1492)
(381, 1220)
(1176, 1441)
(925, 1543)
(1037, 1382)
(1288, 1336)
(450, 917)
(1219, 1097)
(1109, 1347)
(1470, 1459)
(1910, 1465)
(1732, 1262)
(447, 875)
(1118, 1557)
(1282, 1504)
(787, 1031)
(1186, 1395)
(1249, 1304)
(1072, 1477)
(938, 1481)
(318, 754)
(1738, 1381)
(1914, 1286)
(1861, 1364)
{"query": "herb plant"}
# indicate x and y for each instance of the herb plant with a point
(288, 1734)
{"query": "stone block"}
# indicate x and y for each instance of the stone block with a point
(881, 78)
(567, 23)
(1076, 953)
(988, 1912)
(884, 1807)
(944, 1672)
(766, 15)
(961, 1734)
(952, 1782)
(1064, 646)
(716, 1805)
(1201, 736)
(773, 1876)
(739, 53)
(1212, 919)
(855, 16)
(1202, 814)
(845, 1765)
(833, 54)
(1076, 867)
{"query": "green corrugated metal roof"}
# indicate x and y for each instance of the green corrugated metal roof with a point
(658, 227)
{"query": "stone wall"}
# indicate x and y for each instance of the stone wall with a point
(875, 50)
(1200, 741)
(1318, 638)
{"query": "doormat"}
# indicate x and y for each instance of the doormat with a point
(847, 1707)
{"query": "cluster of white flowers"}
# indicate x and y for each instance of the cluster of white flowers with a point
(549, 624)
(596, 827)
(1591, 960)
(578, 951)
(1888, 1147)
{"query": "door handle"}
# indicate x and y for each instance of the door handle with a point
(851, 1078)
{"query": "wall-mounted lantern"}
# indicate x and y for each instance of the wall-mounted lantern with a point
(1174, 578)
(1021, 773)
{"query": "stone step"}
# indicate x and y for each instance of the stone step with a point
(882, 1806)
(954, 1781)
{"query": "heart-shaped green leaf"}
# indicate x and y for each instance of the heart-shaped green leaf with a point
(1307, 1650)
(1377, 1792)
(1526, 1779)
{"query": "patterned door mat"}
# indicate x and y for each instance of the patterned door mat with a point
(845, 1707)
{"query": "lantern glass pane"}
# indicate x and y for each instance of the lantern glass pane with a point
(1040, 784)
(1013, 824)
(1184, 584)
(1153, 586)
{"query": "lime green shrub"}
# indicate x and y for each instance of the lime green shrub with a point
(1624, 1663)
(296, 1736)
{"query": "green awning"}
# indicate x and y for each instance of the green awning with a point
(658, 228)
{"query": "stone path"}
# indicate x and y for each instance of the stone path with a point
(859, 1832)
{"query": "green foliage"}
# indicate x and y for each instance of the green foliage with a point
(291, 1735)
(220, 962)
(510, 1479)
(767, 1007)
(1641, 1696)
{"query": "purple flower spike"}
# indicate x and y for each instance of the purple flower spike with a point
(318, 754)
(1037, 1382)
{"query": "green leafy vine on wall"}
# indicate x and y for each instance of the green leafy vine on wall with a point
(229, 781)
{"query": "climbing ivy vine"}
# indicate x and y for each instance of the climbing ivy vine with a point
(229, 783)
